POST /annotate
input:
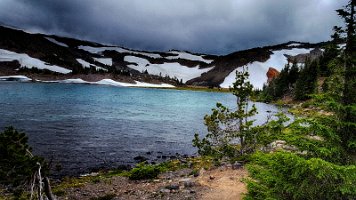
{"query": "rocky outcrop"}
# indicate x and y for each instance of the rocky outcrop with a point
(271, 74)
(302, 58)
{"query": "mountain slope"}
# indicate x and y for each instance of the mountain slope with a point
(66, 58)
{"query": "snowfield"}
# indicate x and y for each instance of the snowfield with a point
(105, 61)
(29, 62)
(56, 42)
(113, 83)
(138, 84)
(166, 69)
(258, 70)
(86, 64)
(99, 50)
(181, 54)
(188, 56)
(81, 81)
(15, 77)
(294, 45)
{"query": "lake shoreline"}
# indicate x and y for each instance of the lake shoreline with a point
(111, 81)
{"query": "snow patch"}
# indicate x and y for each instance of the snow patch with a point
(258, 70)
(108, 82)
(341, 46)
(105, 61)
(56, 42)
(137, 84)
(86, 64)
(166, 69)
(188, 56)
(74, 80)
(29, 62)
(15, 78)
(99, 50)
(293, 45)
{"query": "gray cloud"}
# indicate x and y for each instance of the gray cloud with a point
(209, 26)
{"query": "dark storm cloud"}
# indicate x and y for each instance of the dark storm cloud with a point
(210, 26)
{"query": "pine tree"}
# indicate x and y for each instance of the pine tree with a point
(230, 133)
(348, 112)
(307, 81)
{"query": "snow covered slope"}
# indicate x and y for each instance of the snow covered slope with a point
(99, 50)
(65, 55)
(172, 70)
(188, 56)
(28, 62)
(258, 70)
(85, 64)
(56, 42)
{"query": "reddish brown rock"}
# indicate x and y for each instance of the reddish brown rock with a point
(271, 74)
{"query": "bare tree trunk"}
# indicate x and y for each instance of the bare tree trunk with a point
(48, 190)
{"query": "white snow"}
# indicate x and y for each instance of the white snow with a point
(74, 80)
(341, 46)
(83, 63)
(138, 84)
(86, 64)
(105, 61)
(293, 45)
(29, 62)
(166, 69)
(258, 70)
(56, 42)
(188, 56)
(99, 50)
(109, 82)
(15, 77)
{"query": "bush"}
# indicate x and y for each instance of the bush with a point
(17, 165)
(142, 171)
(283, 175)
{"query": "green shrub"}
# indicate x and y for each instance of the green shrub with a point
(142, 171)
(17, 164)
(284, 175)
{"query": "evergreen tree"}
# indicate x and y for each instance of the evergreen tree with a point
(19, 169)
(348, 111)
(230, 133)
(282, 82)
(293, 75)
(307, 81)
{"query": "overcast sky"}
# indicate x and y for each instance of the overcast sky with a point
(206, 26)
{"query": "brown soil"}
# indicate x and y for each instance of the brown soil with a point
(221, 183)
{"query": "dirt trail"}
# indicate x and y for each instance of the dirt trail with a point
(223, 184)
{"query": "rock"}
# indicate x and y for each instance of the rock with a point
(140, 158)
(271, 74)
(315, 137)
(187, 182)
(290, 148)
(211, 177)
(237, 165)
(165, 190)
(172, 187)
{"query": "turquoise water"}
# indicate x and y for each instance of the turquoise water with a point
(83, 127)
